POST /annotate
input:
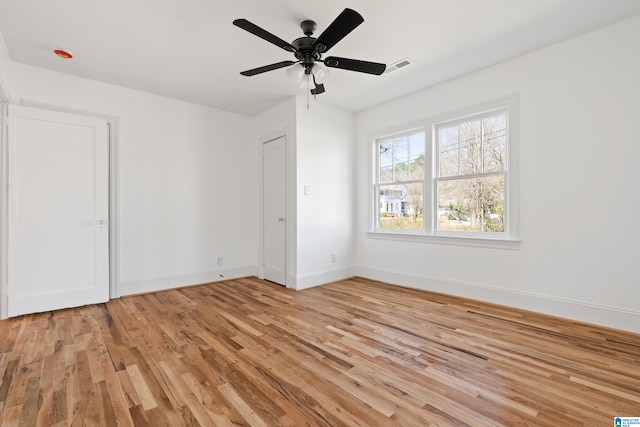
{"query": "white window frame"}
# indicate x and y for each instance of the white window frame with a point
(509, 238)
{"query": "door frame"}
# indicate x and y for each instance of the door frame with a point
(290, 203)
(286, 263)
(114, 270)
(4, 282)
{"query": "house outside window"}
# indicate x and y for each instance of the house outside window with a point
(454, 176)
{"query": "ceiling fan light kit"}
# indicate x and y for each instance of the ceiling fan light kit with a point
(308, 51)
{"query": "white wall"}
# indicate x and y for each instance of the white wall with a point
(186, 180)
(579, 200)
(325, 158)
(320, 154)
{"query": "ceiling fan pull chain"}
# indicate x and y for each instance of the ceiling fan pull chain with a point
(307, 77)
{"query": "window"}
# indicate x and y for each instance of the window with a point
(450, 177)
(399, 189)
(471, 173)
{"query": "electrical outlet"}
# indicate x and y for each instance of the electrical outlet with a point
(333, 257)
(220, 261)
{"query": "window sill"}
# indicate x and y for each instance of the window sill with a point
(477, 242)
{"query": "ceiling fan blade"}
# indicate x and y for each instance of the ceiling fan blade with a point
(266, 68)
(355, 65)
(346, 22)
(263, 34)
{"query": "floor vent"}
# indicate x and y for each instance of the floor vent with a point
(397, 65)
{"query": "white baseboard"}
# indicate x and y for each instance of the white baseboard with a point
(310, 280)
(612, 317)
(154, 284)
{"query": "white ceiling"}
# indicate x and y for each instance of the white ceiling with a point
(190, 50)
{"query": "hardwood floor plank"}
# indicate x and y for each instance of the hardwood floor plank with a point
(358, 352)
(72, 386)
(115, 393)
(30, 403)
(107, 414)
(128, 389)
(88, 408)
(207, 387)
(241, 406)
(147, 400)
(44, 414)
(59, 406)
(9, 371)
(10, 416)
(155, 380)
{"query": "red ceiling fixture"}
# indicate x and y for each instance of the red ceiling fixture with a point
(63, 53)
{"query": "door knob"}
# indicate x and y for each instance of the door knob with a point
(280, 219)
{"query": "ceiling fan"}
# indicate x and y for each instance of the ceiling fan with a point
(309, 50)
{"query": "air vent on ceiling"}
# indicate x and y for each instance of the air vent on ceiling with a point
(397, 65)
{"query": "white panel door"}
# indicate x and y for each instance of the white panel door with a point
(274, 208)
(58, 240)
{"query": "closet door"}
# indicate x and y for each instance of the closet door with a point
(274, 208)
(58, 203)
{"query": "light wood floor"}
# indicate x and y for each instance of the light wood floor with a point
(356, 353)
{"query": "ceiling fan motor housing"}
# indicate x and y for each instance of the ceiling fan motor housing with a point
(305, 52)
(308, 27)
